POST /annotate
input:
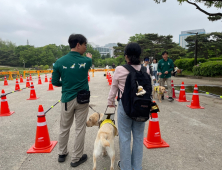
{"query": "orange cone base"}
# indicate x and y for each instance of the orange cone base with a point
(182, 100)
(33, 98)
(43, 150)
(50, 90)
(5, 85)
(8, 114)
(195, 107)
(150, 145)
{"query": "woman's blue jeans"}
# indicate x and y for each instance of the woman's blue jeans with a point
(155, 75)
(126, 125)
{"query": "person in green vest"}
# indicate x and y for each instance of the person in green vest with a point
(70, 72)
(165, 66)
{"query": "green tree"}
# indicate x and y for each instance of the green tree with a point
(136, 37)
(209, 45)
(207, 3)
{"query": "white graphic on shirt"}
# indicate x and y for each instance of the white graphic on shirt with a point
(73, 66)
(64, 67)
(82, 65)
(162, 63)
(168, 63)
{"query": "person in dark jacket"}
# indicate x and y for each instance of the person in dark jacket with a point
(73, 71)
(165, 67)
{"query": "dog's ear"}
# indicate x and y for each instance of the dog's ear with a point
(116, 132)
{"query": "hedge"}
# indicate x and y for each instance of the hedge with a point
(188, 63)
(208, 69)
(215, 59)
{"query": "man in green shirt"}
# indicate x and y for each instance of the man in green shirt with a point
(165, 66)
(73, 71)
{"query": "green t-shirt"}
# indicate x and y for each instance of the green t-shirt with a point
(165, 66)
(73, 71)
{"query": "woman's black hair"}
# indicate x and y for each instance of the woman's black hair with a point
(76, 38)
(155, 59)
(133, 52)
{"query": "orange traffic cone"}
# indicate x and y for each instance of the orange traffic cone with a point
(195, 104)
(21, 79)
(107, 75)
(39, 81)
(46, 79)
(173, 91)
(30, 77)
(88, 78)
(32, 93)
(154, 139)
(5, 81)
(50, 85)
(182, 96)
(27, 82)
(110, 82)
(17, 87)
(42, 139)
(5, 111)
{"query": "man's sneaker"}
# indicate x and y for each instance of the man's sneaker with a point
(82, 160)
(118, 164)
(162, 97)
(170, 99)
(62, 158)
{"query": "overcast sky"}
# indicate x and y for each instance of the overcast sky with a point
(45, 22)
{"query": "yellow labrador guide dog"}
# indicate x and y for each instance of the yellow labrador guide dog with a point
(104, 142)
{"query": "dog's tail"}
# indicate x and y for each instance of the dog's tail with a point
(105, 143)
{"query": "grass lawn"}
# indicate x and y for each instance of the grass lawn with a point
(187, 73)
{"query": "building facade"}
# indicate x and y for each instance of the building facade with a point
(107, 49)
(185, 34)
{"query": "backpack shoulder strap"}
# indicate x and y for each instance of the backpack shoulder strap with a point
(143, 69)
(129, 68)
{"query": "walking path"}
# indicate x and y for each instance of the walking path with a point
(194, 136)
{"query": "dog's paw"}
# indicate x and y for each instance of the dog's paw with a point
(104, 153)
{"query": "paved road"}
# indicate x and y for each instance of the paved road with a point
(194, 136)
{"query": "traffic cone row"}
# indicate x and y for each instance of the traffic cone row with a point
(30, 77)
(50, 85)
(32, 93)
(42, 139)
(21, 79)
(88, 77)
(5, 111)
(153, 139)
(46, 79)
(5, 81)
(195, 104)
(17, 87)
(182, 96)
(27, 82)
(39, 80)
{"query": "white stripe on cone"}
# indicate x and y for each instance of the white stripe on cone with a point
(41, 124)
(40, 113)
(154, 119)
(3, 100)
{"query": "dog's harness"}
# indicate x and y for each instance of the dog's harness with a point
(156, 88)
(108, 121)
(106, 118)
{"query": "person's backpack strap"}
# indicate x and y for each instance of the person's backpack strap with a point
(143, 69)
(129, 68)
